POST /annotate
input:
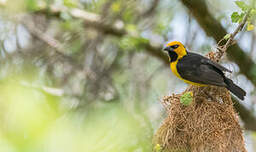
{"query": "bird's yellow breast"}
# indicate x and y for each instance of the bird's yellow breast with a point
(173, 66)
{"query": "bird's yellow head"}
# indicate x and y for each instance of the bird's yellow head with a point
(176, 50)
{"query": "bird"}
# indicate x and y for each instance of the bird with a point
(198, 70)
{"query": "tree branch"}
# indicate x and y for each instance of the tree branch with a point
(209, 24)
(214, 29)
(222, 49)
(247, 116)
(117, 28)
(57, 46)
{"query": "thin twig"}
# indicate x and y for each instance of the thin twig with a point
(222, 49)
(53, 43)
(57, 46)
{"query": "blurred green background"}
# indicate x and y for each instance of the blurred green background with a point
(89, 75)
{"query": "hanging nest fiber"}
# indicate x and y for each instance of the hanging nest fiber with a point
(208, 124)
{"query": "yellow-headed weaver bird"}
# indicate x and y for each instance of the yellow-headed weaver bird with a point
(199, 70)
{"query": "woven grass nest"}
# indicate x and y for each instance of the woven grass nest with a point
(208, 124)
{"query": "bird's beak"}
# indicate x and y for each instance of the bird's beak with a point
(167, 48)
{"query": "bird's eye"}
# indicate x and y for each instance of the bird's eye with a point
(175, 46)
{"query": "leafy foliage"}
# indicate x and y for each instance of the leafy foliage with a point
(238, 17)
(242, 5)
(187, 98)
(69, 84)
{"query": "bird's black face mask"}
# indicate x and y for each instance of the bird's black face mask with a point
(172, 55)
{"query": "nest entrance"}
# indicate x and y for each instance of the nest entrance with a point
(208, 124)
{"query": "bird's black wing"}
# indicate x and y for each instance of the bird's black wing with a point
(205, 60)
(196, 68)
(216, 65)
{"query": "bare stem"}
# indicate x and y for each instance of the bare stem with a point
(223, 48)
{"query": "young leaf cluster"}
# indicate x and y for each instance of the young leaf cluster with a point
(237, 17)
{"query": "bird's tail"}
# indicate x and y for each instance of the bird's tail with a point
(236, 90)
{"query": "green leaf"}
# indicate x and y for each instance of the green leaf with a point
(187, 98)
(241, 17)
(235, 17)
(227, 36)
(242, 5)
